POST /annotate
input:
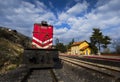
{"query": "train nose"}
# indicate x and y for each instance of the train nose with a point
(41, 58)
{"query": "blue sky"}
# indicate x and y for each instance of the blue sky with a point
(70, 18)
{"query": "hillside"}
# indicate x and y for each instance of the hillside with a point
(12, 44)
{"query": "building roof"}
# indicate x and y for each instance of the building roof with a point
(78, 43)
(85, 47)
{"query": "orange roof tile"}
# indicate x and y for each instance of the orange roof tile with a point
(77, 43)
(85, 47)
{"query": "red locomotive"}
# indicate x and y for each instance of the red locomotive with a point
(41, 53)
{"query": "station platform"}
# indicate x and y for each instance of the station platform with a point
(114, 58)
(105, 57)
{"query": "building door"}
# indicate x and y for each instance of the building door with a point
(87, 52)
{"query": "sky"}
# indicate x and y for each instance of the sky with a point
(70, 18)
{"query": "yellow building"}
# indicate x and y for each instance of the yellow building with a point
(80, 48)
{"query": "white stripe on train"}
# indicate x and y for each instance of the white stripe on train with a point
(41, 41)
(38, 46)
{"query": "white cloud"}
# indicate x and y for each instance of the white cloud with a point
(60, 31)
(51, 5)
(63, 16)
(78, 8)
(40, 5)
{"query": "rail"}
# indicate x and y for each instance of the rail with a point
(113, 72)
(44, 75)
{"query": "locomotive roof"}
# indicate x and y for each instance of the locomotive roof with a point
(42, 24)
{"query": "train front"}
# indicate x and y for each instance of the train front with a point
(41, 54)
(42, 36)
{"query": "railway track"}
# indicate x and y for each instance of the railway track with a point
(73, 70)
(40, 75)
(102, 61)
(113, 72)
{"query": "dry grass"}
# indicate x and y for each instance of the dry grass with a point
(10, 54)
